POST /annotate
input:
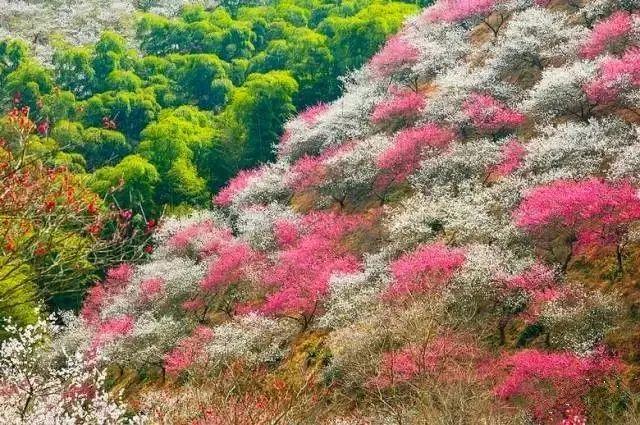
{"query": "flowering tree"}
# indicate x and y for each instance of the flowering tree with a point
(301, 273)
(440, 47)
(513, 154)
(188, 351)
(468, 13)
(532, 39)
(225, 197)
(552, 382)
(409, 146)
(489, 115)
(265, 228)
(586, 214)
(56, 232)
(520, 295)
(446, 359)
(426, 269)
(576, 150)
(616, 76)
(403, 107)
(460, 164)
(575, 319)
(610, 33)
(560, 92)
(395, 59)
(39, 388)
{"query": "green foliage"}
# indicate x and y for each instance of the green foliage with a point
(354, 39)
(30, 80)
(12, 53)
(202, 79)
(123, 81)
(263, 104)
(73, 70)
(131, 111)
(22, 309)
(137, 176)
(103, 147)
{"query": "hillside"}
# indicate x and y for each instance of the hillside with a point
(453, 241)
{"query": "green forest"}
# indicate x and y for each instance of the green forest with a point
(204, 95)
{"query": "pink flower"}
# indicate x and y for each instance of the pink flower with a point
(205, 232)
(551, 381)
(224, 198)
(43, 127)
(312, 113)
(98, 296)
(396, 55)
(306, 172)
(95, 299)
(458, 10)
(110, 330)
(404, 156)
(534, 278)
(614, 77)
(425, 269)
(299, 278)
(151, 287)
(228, 268)
(309, 171)
(489, 115)
(574, 416)
(120, 275)
(446, 359)
(188, 351)
(607, 32)
(598, 212)
(512, 155)
(193, 305)
(121, 325)
(404, 105)
(286, 233)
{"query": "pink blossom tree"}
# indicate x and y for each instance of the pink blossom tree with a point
(309, 172)
(230, 265)
(489, 115)
(286, 232)
(408, 149)
(551, 383)
(520, 295)
(111, 330)
(467, 12)
(312, 113)
(446, 359)
(402, 108)
(188, 351)
(513, 154)
(224, 198)
(151, 288)
(100, 294)
(299, 277)
(585, 214)
(395, 59)
(607, 34)
(615, 77)
(426, 269)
